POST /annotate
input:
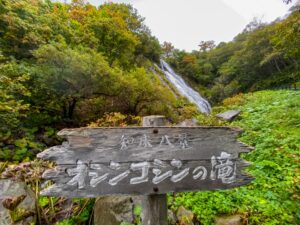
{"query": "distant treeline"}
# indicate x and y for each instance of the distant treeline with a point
(263, 56)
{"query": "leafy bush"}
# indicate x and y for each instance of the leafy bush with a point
(235, 100)
(116, 119)
(25, 143)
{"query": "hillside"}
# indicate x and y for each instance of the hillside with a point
(263, 56)
(271, 123)
(67, 65)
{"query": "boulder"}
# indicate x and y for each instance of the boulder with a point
(229, 220)
(228, 115)
(5, 216)
(184, 216)
(154, 121)
(113, 210)
(17, 203)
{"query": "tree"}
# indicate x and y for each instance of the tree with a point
(144, 94)
(256, 23)
(73, 75)
(22, 27)
(116, 27)
(12, 89)
(286, 37)
(206, 45)
(78, 3)
(287, 1)
(168, 48)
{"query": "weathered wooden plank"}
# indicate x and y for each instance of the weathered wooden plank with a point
(145, 160)
(72, 192)
(138, 144)
(98, 179)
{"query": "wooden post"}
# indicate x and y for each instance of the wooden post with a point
(154, 207)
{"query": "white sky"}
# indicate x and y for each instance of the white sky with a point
(186, 23)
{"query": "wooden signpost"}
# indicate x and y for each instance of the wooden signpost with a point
(145, 161)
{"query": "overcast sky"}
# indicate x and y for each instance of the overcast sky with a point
(187, 22)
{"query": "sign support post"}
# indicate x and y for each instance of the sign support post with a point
(154, 207)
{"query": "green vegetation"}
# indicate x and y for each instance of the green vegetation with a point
(82, 216)
(71, 65)
(271, 123)
(67, 65)
(263, 56)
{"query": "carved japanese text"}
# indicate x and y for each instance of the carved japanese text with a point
(222, 168)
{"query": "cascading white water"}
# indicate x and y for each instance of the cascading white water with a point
(185, 90)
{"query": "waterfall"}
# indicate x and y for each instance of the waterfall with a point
(185, 90)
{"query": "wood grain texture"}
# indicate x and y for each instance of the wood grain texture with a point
(155, 210)
(184, 151)
(61, 178)
(154, 207)
(102, 145)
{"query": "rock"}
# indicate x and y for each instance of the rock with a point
(229, 220)
(113, 210)
(185, 216)
(5, 216)
(188, 123)
(229, 115)
(154, 121)
(171, 217)
(17, 203)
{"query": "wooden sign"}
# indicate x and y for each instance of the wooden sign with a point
(145, 160)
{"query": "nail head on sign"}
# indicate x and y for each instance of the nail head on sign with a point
(155, 131)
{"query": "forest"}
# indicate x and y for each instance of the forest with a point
(67, 65)
(262, 56)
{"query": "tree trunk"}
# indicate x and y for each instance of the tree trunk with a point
(72, 108)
